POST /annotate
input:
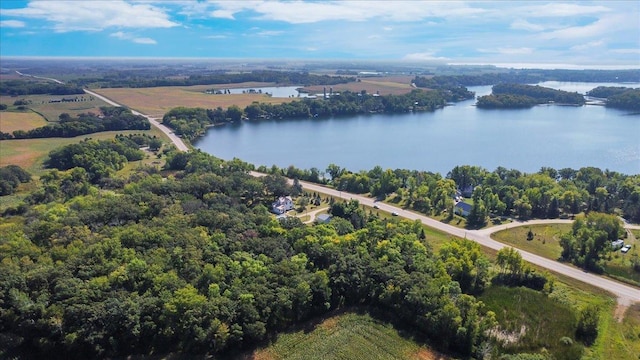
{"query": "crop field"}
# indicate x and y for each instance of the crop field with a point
(345, 336)
(156, 101)
(51, 111)
(395, 85)
(30, 154)
(11, 121)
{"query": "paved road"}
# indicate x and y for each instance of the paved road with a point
(626, 294)
(180, 145)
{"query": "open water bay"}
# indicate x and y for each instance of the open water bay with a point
(461, 134)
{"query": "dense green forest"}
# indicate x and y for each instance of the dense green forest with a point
(530, 76)
(30, 87)
(11, 176)
(192, 122)
(618, 97)
(549, 193)
(525, 96)
(194, 262)
(111, 119)
(133, 79)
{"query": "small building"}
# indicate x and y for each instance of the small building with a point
(615, 245)
(282, 205)
(323, 218)
(462, 208)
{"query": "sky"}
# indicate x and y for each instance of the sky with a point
(567, 34)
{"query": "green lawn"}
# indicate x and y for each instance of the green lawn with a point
(546, 239)
(546, 243)
(345, 336)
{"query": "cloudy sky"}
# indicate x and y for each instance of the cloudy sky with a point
(598, 33)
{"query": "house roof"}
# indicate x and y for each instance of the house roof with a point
(323, 217)
(464, 206)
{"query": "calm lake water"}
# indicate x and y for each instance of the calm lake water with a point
(554, 136)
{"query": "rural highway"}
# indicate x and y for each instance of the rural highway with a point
(626, 294)
(174, 138)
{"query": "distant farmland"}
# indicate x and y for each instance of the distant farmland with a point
(156, 101)
(12, 121)
(52, 110)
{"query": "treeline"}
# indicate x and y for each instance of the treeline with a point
(192, 122)
(25, 87)
(618, 97)
(112, 119)
(132, 80)
(450, 84)
(531, 76)
(549, 193)
(11, 176)
(98, 158)
(195, 263)
(524, 96)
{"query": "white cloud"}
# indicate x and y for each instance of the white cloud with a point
(562, 10)
(424, 56)
(138, 40)
(216, 36)
(587, 46)
(12, 24)
(605, 25)
(626, 51)
(299, 12)
(515, 51)
(270, 33)
(522, 24)
(94, 15)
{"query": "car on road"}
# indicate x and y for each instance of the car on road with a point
(376, 207)
(394, 214)
(625, 248)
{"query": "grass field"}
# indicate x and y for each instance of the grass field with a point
(31, 153)
(396, 85)
(157, 101)
(12, 121)
(546, 243)
(51, 111)
(344, 336)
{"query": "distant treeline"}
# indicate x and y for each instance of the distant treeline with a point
(24, 87)
(525, 96)
(618, 97)
(279, 77)
(191, 123)
(531, 76)
(113, 118)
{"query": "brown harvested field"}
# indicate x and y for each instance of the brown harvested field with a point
(51, 111)
(156, 101)
(388, 85)
(12, 121)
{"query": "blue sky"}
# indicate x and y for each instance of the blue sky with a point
(545, 33)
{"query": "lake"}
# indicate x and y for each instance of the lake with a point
(461, 134)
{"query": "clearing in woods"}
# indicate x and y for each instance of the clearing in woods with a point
(344, 336)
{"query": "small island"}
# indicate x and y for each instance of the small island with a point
(519, 96)
(618, 97)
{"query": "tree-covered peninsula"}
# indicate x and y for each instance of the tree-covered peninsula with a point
(513, 96)
(618, 97)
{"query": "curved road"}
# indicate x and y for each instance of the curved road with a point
(175, 139)
(626, 294)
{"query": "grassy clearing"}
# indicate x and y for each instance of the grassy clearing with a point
(546, 239)
(158, 100)
(52, 111)
(530, 321)
(345, 336)
(12, 121)
(546, 242)
(30, 154)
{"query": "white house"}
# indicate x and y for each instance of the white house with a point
(282, 205)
